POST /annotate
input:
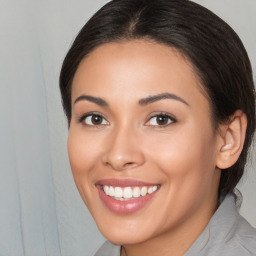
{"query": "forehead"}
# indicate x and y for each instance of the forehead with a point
(144, 67)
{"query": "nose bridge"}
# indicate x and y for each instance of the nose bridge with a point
(123, 151)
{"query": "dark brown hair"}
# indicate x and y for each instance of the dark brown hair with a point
(214, 49)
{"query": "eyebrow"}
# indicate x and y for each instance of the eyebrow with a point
(96, 100)
(162, 96)
(142, 102)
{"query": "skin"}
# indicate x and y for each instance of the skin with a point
(181, 156)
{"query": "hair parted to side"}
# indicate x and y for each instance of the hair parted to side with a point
(214, 49)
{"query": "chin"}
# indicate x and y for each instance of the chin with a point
(124, 238)
(124, 232)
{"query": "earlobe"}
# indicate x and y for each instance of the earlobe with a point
(232, 140)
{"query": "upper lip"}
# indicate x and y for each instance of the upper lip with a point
(123, 183)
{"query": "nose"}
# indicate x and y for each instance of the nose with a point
(124, 150)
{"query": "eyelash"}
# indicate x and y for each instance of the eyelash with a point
(171, 120)
(83, 118)
(162, 114)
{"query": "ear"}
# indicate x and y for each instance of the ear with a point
(232, 136)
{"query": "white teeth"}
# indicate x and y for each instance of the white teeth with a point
(136, 192)
(143, 191)
(118, 192)
(127, 193)
(111, 191)
(150, 190)
(106, 190)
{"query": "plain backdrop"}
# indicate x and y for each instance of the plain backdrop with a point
(41, 212)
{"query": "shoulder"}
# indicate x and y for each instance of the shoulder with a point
(108, 249)
(244, 239)
(241, 241)
(227, 233)
(241, 236)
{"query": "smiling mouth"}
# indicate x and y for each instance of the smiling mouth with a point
(128, 193)
(125, 196)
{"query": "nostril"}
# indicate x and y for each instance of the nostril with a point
(130, 164)
(120, 165)
(120, 159)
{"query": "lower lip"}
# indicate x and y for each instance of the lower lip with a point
(124, 207)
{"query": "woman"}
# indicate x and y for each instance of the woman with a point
(160, 102)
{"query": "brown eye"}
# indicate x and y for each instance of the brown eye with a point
(94, 120)
(160, 120)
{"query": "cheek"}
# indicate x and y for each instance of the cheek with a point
(187, 164)
(186, 156)
(83, 154)
(82, 151)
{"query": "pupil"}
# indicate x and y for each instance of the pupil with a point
(96, 119)
(162, 120)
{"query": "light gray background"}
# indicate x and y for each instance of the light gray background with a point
(41, 212)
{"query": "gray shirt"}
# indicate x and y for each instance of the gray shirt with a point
(227, 233)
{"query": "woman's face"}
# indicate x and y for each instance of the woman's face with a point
(141, 144)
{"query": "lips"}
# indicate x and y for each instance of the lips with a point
(125, 196)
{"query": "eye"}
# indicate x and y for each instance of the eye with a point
(94, 120)
(160, 120)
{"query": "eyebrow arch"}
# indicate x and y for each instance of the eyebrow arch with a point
(161, 96)
(96, 100)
